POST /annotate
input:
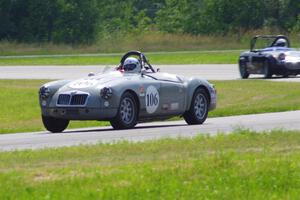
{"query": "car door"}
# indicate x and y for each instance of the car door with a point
(172, 97)
(149, 92)
(164, 94)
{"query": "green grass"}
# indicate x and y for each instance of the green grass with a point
(20, 111)
(157, 58)
(152, 41)
(255, 96)
(149, 42)
(243, 165)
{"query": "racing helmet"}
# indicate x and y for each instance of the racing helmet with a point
(132, 65)
(280, 43)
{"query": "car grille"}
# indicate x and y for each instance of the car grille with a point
(73, 100)
(63, 99)
(78, 99)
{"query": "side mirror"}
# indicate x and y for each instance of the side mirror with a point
(91, 74)
(143, 72)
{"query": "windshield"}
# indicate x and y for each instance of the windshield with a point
(262, 43)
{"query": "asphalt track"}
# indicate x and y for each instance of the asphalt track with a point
(206, 71)
(216, 72)
(150, 131)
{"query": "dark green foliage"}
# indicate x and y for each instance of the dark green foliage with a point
(68, 21)
(78, 21)
(6, 25)
(172, 17)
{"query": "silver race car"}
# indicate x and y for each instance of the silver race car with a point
(132, 92)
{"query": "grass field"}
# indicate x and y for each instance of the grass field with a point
(242, 165)
(148, 42)
(155, 58)
(20, 111)
(152, 41)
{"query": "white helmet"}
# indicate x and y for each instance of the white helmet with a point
(280, 43)
(132, 65)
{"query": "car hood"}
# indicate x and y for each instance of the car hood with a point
(97, 81)
(292, 54)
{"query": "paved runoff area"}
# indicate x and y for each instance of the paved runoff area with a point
(216, 72)
(206, 71)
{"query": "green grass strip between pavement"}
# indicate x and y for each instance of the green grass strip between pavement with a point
(226, 57)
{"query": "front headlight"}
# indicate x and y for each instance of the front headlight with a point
(106, 92)
(44, 92)
(281, 56)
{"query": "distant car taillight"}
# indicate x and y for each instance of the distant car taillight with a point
(214, 88)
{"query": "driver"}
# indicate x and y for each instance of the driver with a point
(280, 43)
(132, 65)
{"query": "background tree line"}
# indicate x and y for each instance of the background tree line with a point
(83, 21)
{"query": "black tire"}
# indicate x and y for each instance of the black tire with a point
(192, 116)
(267, 70)
(285, 75)
(55, 125)
(243, 70)
(122, 120)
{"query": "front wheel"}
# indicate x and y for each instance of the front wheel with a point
(267, 70)
(243, 70)
(55, 125)
(127, 113)
(198, 111)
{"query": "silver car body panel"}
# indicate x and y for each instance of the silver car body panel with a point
(158, 95)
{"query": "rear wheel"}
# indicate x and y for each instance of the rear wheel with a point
(243, 70)
(267, 70)
(127, 113)
(198, 111)
(55, 125)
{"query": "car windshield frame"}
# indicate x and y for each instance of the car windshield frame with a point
(267, 37)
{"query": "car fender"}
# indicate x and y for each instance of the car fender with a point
(119, 89)
(54, 86)
(192, 84)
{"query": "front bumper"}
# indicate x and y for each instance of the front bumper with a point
(287, 66)
(75, 113)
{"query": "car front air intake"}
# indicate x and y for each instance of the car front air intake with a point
(72, 99)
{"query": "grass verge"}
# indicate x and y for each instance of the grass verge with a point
(243, 165)
(152, 41)
(148, 42)
(226, 57)
(20, 110)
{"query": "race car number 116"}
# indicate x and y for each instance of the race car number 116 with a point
(152, 99)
